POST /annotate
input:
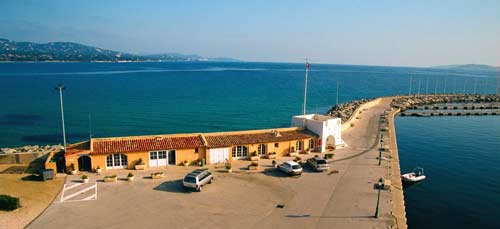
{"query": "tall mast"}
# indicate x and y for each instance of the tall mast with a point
(305, 87)
(337, 98)
(411, 79)
(60, 87)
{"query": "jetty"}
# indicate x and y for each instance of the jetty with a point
(371, 121)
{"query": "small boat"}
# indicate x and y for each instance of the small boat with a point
(415, 176)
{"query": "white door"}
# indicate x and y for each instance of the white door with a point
(219, 155)
(157, 158)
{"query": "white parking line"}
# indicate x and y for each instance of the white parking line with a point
(83, 193)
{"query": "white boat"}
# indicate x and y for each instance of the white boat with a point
(415, 176)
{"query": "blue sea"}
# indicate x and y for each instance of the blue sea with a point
(120, 99)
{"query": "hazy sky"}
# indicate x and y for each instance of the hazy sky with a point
(406, 33)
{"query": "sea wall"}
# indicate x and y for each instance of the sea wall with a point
(351, 109)
(25, 154)
(406, 102)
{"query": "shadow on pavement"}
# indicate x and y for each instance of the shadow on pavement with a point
(274, 172)
(174, 186)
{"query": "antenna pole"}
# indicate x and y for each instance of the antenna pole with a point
(60, 87)
(90, 126)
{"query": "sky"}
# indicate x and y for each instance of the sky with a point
(387, 33)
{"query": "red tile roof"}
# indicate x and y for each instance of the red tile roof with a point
(242, 138)
(138, 144)
(78, 147)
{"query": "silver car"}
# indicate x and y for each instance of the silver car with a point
(318, 164)
(197, 178)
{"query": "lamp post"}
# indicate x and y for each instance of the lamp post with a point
(379, 187)
(60, 87)
(379, 157)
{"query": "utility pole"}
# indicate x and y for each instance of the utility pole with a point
(60, 87)
(305, 87)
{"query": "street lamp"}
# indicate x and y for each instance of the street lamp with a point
(380, 182)
(60, 87)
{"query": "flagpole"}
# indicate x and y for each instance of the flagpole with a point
(305, 88)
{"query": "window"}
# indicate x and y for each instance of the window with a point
(162, 155)
(240, 151)
(153, 155)
(311, 144)
(262, 150)
(116, 160)
(276, 145)
(299, 146)
(196, 150)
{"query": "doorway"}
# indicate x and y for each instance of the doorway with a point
(84, 163)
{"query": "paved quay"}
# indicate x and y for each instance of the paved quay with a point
(247, 199)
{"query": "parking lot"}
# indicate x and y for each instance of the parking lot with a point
(243, 199)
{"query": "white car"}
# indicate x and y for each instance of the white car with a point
(318, 164)
(197, 179)
(290, 167)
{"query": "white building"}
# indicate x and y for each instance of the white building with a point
(329, 129)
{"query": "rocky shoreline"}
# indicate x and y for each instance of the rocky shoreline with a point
(346, 110)
(406, 102)
(31, 149)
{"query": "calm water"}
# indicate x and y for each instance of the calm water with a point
(460, 154)
(461, 158)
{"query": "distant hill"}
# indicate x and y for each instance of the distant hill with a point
(68, 51)
(470, 67)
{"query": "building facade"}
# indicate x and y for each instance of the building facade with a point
(328, 129)
(164, 150)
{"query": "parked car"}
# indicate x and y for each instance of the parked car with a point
(318, 164)
(290, 167)
(197, 178)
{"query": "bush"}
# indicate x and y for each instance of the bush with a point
(228, 166)
(9, 203)
(254, 153)
(85, 177)
(254, 164)
(72, 167)
(274, 162)
(272, 153)
(130, 175)
(112, 176)
(329, 156)
(139, 162)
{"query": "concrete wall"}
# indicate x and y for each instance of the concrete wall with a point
(19, 158)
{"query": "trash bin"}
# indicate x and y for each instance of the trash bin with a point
(203, 162)
(47, 174)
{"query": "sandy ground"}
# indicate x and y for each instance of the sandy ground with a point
(35, 196)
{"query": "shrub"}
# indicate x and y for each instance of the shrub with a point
(254, 164)
(72, 167)
(98, 167)
(85, 177)
(293, 149)
(316, 155)
(228, 166)
(185, 162)
(329, 156)
(254, 153)
(157, 173)
(111, 176)
(130, 175)
(272, 153)
(139, 162)
(298, 158)
(273, 162)
(9, 203)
